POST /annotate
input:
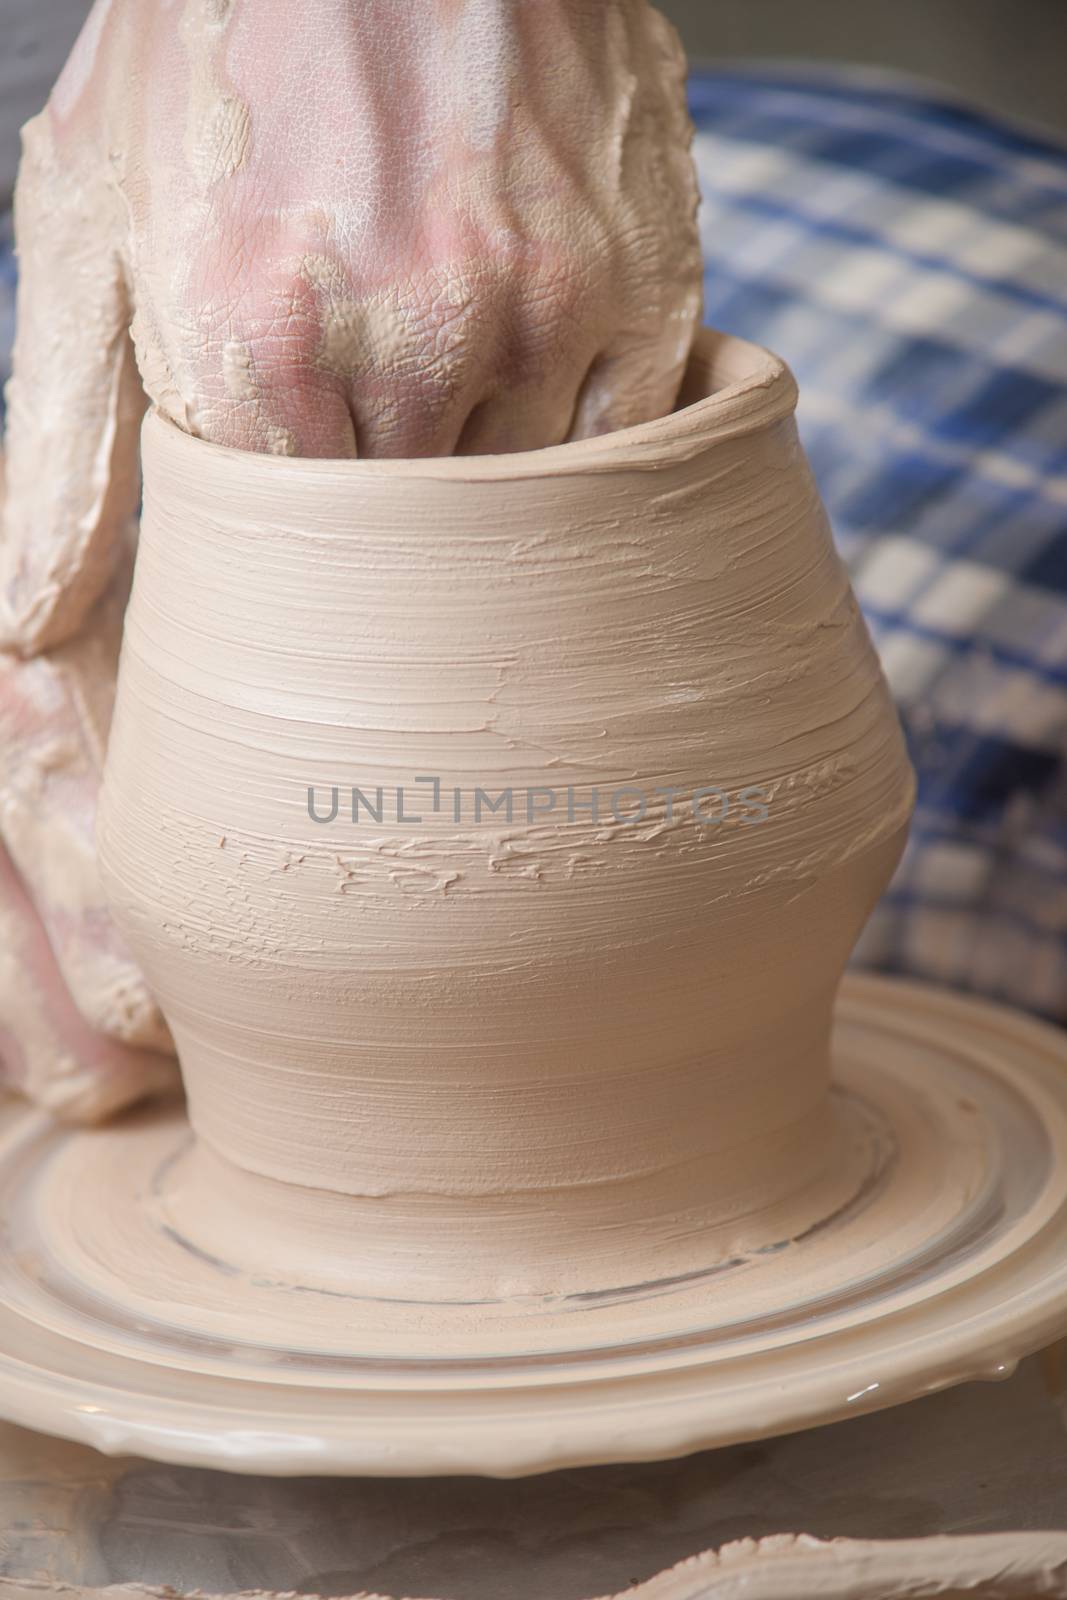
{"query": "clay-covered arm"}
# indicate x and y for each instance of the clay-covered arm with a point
(74, 401)
(78, 1030)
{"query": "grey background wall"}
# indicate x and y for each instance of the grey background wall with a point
(35, 36)
(1011, 54)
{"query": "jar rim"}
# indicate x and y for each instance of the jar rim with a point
(731, 387)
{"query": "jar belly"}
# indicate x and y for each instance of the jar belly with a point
(647, 1037)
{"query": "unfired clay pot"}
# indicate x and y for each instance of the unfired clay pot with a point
(440, 1052)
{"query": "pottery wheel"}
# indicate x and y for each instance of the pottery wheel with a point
(948, 1264)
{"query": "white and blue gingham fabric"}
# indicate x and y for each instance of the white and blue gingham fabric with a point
(909, 259)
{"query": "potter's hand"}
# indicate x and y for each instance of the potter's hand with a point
(377, 229)
(399, 229)
(374, 229)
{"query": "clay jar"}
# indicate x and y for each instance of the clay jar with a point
(446, 1052)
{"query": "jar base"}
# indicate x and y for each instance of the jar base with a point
(947, 1265)
(567, 1246)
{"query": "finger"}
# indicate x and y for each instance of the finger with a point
(479, 390)
(54, 715)
(259, 382)
(74, 398)
(526, 418)
(407, 419)
(628, 386)
(409, 358)
(280, 405)
(47, 1048)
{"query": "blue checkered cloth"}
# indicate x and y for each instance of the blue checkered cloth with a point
(909, 259)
